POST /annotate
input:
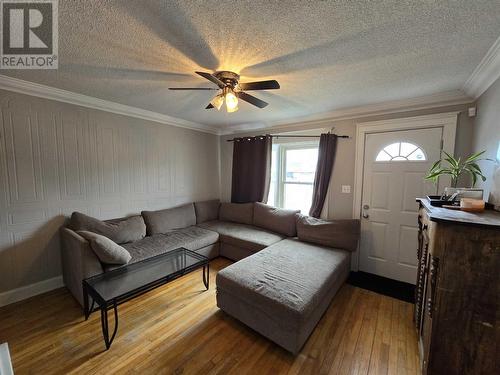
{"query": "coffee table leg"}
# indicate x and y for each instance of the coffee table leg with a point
(86, 309)
(206, 276)
(104, 324)
(85, 301)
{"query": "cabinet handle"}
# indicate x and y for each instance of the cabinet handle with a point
(434, 268)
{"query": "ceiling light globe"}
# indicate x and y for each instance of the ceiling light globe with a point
(231, 102)
(217, 101)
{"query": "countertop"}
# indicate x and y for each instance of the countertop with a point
(488, 218)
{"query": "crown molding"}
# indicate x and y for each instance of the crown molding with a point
(60, 95)
(447, 98)
(486, 73)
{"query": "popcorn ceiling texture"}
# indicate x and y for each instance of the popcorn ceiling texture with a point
(327, 55)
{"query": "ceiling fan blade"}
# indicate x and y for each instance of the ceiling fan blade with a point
(251, 99)
(212, 78)
(192, 88)
(261, 85)
(209, 106)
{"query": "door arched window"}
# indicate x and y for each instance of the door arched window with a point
(401, 151)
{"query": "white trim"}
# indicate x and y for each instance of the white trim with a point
(447, 98)
(5, 362)
(52, 93)
(24, 292)
(448, 121)
(486, 73)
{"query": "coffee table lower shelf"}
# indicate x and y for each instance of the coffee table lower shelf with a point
(99, 288)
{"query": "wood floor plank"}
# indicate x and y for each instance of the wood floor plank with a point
(379, 359)
(178, 329)
(361, 361)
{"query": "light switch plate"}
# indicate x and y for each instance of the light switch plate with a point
(346, 189)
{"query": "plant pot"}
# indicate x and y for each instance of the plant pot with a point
(474, 193)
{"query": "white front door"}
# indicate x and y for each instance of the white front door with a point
(395, 164)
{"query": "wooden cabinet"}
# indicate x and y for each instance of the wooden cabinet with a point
(458, 291)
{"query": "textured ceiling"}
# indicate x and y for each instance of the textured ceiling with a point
(327, 55)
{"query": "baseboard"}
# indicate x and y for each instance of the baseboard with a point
(24, 292)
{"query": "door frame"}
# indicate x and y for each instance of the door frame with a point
(447, 121)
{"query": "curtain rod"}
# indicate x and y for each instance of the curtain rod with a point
(285, 136)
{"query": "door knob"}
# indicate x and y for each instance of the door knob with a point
(365, 213)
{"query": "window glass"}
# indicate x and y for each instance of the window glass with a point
(418, 154)
(401, 151)
(293, 167)
(392, 149)
(298, 197)
(301, 165)
(407, 148)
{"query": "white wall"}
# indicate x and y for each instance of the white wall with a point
(340, 204)
(56, 158)
(487, 134)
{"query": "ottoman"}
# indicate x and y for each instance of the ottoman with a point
(282, 291)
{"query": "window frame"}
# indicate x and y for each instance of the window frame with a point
(279, 193)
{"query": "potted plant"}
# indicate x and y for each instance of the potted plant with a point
(450, 166)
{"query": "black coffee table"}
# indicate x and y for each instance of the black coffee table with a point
(114, 287)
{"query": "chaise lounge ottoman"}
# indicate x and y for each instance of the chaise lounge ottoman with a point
(282, 291)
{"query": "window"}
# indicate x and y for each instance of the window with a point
(293, 167)
(401, 151)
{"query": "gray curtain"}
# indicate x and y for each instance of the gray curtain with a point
(251, 169)
(326, 157)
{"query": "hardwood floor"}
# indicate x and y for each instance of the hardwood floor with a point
(178, 329)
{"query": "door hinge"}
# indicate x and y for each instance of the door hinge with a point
(442, 144)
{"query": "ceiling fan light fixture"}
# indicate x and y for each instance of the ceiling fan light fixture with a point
(217, 101)
(231, 101)
(227, 82)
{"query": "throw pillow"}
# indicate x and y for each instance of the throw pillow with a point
(106, 250)
(129, 229)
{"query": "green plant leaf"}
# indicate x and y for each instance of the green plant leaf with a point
(474, 179)
(451, 160)
(457, 167)
(434, 166)
(475, 167)
(474, 156)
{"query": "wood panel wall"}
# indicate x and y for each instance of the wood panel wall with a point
(56, 158)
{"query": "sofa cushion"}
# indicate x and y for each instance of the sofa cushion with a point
(287, 283)
(121, 230)
(163, 221)
(341, 234)
(107, 251)
(245, 236)
(192, 238)
(206, 210)
(275, 219)
(236, 212)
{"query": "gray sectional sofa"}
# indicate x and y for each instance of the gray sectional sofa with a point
(288, 266)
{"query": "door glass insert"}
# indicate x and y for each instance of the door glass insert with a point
(401, 151)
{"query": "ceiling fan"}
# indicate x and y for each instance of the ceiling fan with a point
(232, 90)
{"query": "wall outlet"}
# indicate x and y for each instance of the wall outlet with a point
(346, 189)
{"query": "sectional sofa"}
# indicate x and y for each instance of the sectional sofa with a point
(288, 266)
